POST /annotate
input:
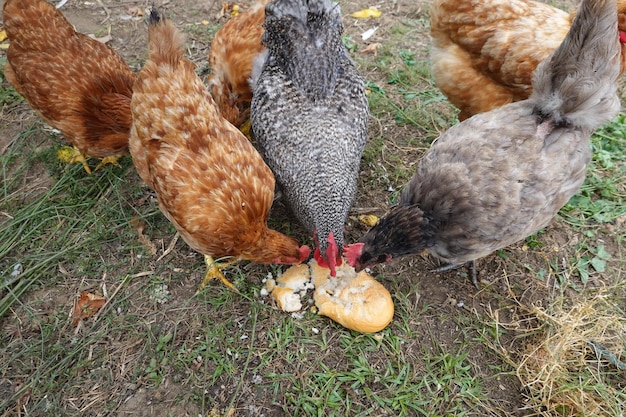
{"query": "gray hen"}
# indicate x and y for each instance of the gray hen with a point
(309, 117)
(502, 175)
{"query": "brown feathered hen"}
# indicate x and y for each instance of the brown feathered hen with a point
(233, 51)
(484, 51)
(78, 85)
(502, 175)
(210, 181)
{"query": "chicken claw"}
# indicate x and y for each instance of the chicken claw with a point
(111, 159)
(71, 155)
(472, 265)
(214, 270)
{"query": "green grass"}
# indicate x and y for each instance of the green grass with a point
(8, 95)
(602, 199)
(77, 214)
(401, 97)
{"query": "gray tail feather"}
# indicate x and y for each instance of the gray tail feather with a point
(576, 85)
(278, 9)
(299, 9)
(304, 39)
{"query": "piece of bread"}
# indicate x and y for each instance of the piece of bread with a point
(286, 289)
(356, 301)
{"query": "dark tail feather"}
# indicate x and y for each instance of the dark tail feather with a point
(576, 85)
(304, 37)
(155, 16)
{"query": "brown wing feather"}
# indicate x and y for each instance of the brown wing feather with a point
(233, 50)
(484, 52)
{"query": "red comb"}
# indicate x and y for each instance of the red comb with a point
(331, 255)
(353, 253)
(305, 251)
(331, 260)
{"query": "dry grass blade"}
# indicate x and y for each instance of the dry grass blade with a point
(564, 374)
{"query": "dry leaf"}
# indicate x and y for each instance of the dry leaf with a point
(64, 271)
(232, 9)
(4, 46)
(205, 22)
(367, 13)
(86, 306)
(138, 224)
(223, 9)
(369, 220)
(372, 48)
(135, 11)
(3, 35)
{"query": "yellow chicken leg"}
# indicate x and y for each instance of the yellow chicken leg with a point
(112, 159)
(214, 270)
(71, 155)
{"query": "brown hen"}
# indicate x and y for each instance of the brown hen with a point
(210, 181)
(233, 51)
(485, 51)
(78, 85)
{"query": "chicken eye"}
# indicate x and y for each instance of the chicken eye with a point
(365, 257)
(382, 258)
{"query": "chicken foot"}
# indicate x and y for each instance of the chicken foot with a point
(454, 266)
(214, 270)
(71, 155)
(112, 159)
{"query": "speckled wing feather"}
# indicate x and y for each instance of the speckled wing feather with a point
(210, 181)
(77, 84)
(309, 113)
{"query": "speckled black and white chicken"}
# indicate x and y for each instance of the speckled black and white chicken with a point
(309, 117)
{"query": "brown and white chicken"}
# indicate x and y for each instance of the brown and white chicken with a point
(211, 183)
(485, 51)
(78, 85)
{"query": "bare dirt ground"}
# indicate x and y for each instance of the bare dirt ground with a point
(439, 306)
